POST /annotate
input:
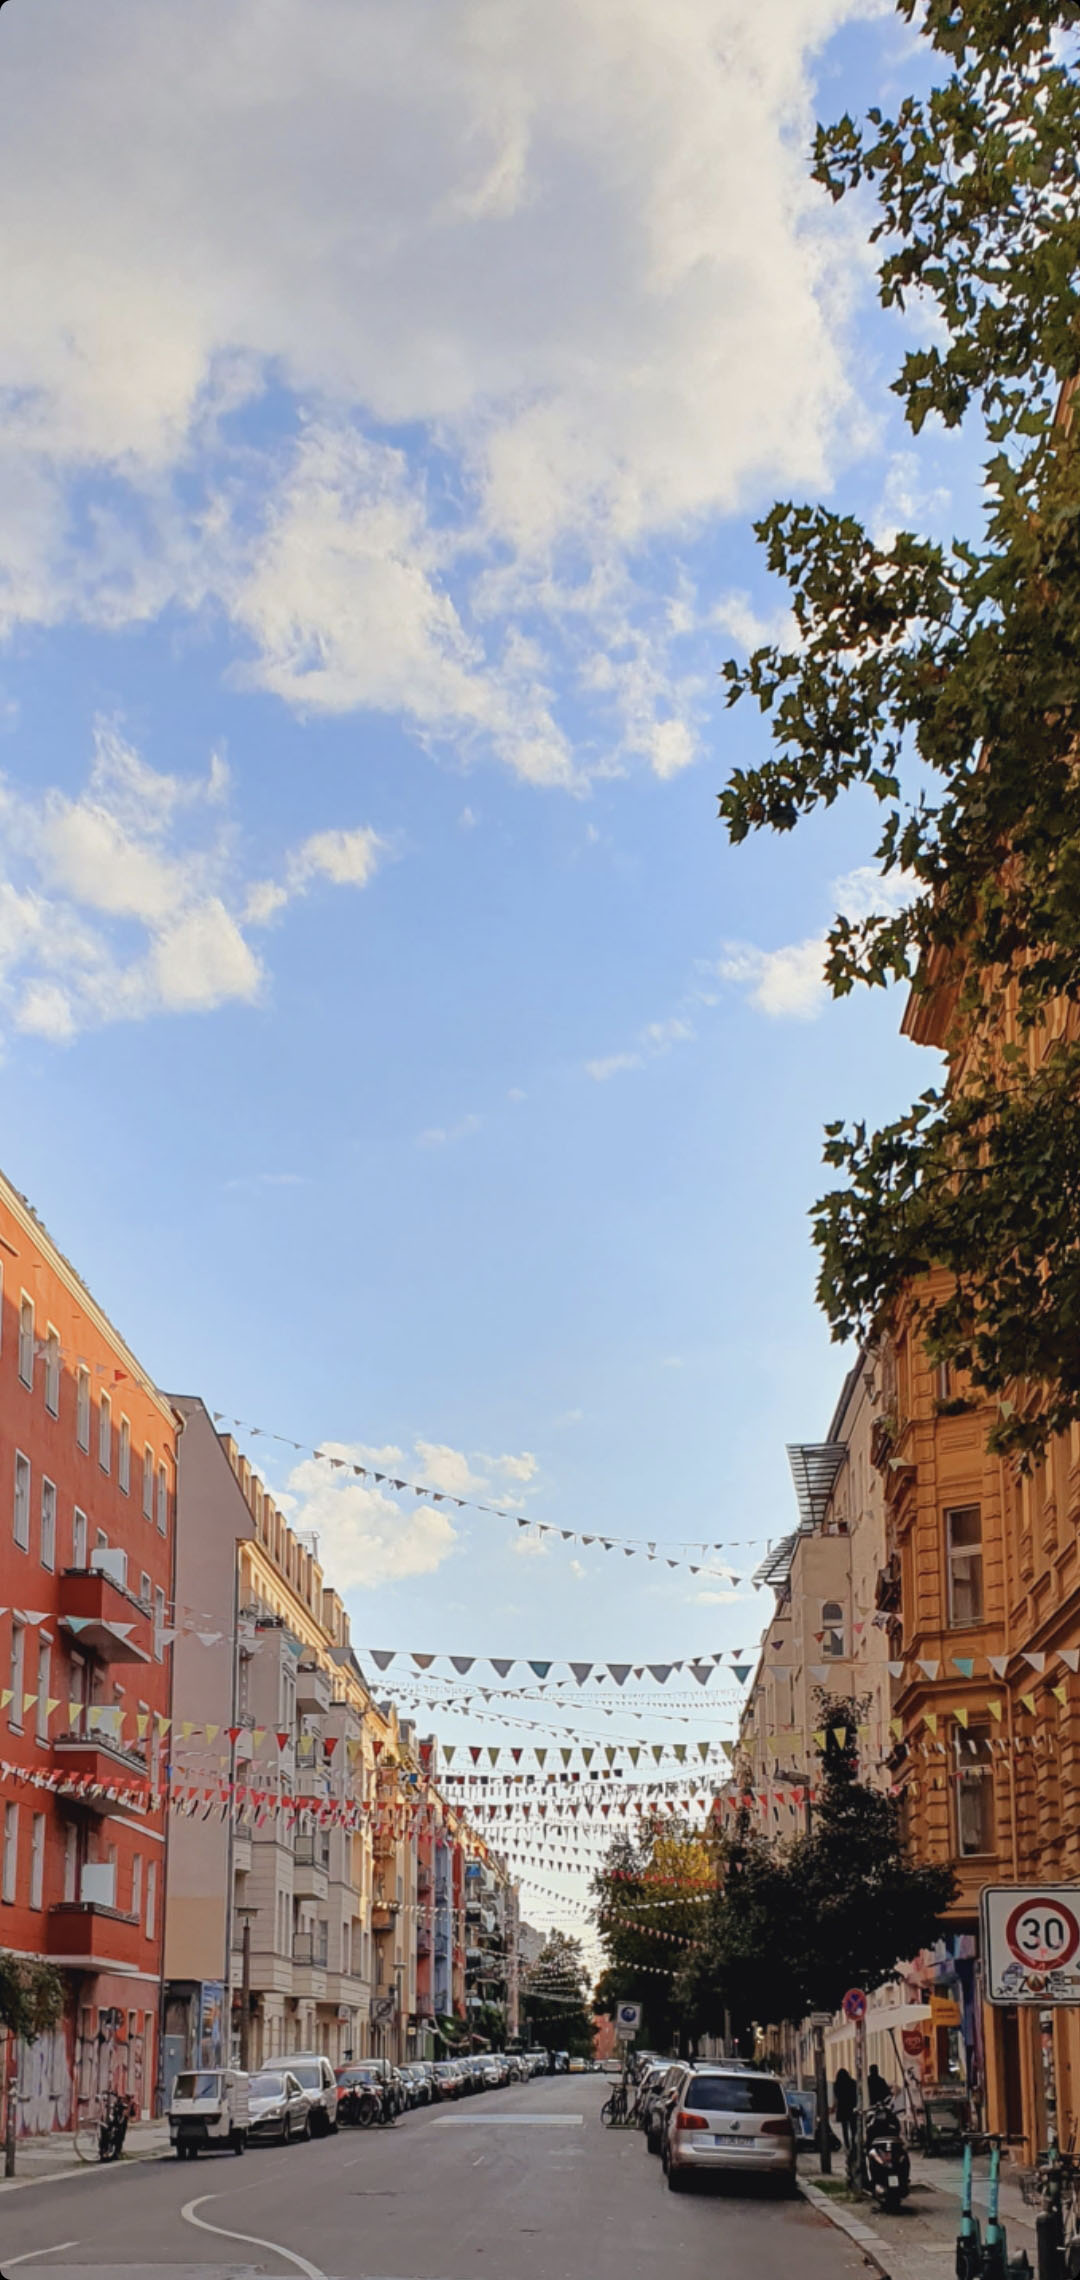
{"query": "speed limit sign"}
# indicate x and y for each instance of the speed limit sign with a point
(1031, 1942)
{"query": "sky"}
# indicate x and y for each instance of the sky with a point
(387, 1030)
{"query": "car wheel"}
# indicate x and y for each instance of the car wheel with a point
(286, 2132)
(677, 2179)
(788, 2186)
(305, 2134)
(652, 2140)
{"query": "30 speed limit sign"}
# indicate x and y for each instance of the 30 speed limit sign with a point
(1031, 1943)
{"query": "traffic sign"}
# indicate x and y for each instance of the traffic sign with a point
(1031, 1942)
(628, 2015)
(854, 2004)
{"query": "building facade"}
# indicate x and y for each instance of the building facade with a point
(88, 1456)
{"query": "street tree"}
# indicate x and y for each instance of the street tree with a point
(555, 1998)
(31, 1996)
(651, 1895)
(944, 680)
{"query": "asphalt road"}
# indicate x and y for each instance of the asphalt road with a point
(517, 2184)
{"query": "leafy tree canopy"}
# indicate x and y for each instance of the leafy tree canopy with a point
(555, 1998)
(31, 1996)
(945, 680)
(651, 1898)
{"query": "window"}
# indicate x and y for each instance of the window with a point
(26, 1340)
(123, 1457)
(151, 1899)
(963, 1545)
(145, 1591)
(159, 1622)
(71, 1862)
(48, 1524)
(37, 1860)
(974, 1787)
(148, 1483)
(18, 1677)
(832, 1630)
(136, 1885)
(21, 1523)
(82, 1407)
(104, 1436)
(44, 1677)
(52, 1371)
(10, 1868)
(162, 1500)
(78, 1539)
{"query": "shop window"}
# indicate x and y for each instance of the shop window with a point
(963, 1549)
(974, 1790)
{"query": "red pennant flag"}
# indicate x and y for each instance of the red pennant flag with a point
(281, 1738)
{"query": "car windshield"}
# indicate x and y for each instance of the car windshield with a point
(197, 2086)
(734, 2094)
(267, 2086)
(308, 2073)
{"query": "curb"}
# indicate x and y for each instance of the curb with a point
(854, 2227)
(83, 2169)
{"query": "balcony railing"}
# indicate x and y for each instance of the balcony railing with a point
(310, 1948)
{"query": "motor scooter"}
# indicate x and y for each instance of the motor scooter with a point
(887, 2163)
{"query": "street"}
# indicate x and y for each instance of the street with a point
(522, 2185)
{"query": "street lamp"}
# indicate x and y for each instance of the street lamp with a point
(247, 1917)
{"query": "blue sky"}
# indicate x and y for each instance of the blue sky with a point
(389, 1033)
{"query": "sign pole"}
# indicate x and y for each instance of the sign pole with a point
(860, 2076)
(821, 2082)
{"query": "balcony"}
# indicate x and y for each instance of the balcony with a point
(241, 1853)
(310, 1870)
(423, 1940)
(102, 1616)
(384, 1915)
(312, 1690)
(86, 1932)
(105, 1764)
(309, 1951)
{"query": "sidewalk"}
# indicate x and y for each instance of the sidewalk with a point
(919, 2243)
(37, 2159)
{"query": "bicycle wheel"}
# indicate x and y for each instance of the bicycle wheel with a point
(87, 2127)
(607, 2112)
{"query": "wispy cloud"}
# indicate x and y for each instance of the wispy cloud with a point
(444, 1135)
(788, 983)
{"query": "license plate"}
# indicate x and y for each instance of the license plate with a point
(894, 2181)
(722, 2138)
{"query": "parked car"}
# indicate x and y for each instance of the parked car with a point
(418, 2088)
(728, 2119)
(390, 2083)
(278, 2108)
(449, 2080)
(315, 2074)
(209, 2108)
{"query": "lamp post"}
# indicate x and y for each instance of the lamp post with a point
(247, 1917)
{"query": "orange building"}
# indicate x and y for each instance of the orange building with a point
(87, 1499)
(985, 1644)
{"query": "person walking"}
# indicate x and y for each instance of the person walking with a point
(845, 2100)
(877, 2089)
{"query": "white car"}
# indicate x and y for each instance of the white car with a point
(730, 2119)
(315, 2074)
(278, 2108)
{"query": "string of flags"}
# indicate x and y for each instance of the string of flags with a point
(700, 1667)
(653, 1548)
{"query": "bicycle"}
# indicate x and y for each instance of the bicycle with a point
(101, 2127)
(614, 2111)
(1053, 2187)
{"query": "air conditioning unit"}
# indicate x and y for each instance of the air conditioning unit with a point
(109, 1560)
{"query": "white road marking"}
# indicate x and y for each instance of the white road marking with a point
(30, 2253)
(251, 2240)
(508, 2122)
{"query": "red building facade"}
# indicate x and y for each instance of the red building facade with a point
(87, 1515)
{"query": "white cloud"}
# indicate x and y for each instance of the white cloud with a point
(124, 900)
(530, 1547)
(656, 1039)
(712, 1598)
(571, 252)
(368, 1537)
(443, 1135)
(789, 983)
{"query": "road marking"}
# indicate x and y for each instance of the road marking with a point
(508, 2122)
(30, 2254)
(251, 2239)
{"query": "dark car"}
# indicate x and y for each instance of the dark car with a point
(449, 2080)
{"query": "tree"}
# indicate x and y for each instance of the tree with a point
(945, 680)
(652, 1893)
(791, 1930)
(31, 1996)
(555, 1998)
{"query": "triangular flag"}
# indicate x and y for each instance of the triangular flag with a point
(965, 1664)
(995, 1706)
(999, 1664)
(1070, 1656)
(929, 1668)
(1037, 1662)
(740, 1671)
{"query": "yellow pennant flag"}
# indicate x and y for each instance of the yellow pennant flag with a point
(163, 1724)
(1028, 1703)
(1061, 1694)
(819, 1737)
(996, 1707)
(74, 1711)
(142, 1720)
(187, 1728)
(212, 1733)
(28, 1702)
(52, 1702)
(961, 1717)
(930, 1720)
(5, 1698)
(259, 1737)
(896, 1727)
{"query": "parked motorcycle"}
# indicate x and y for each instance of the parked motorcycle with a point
(888, 2166)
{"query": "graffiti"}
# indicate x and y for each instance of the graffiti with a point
(43, 2087)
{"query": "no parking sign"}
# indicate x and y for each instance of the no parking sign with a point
(1031, 1942)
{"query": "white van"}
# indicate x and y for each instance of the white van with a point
(209, 2108)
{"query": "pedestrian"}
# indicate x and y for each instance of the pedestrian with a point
(877, 2088)
(845, 2099)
